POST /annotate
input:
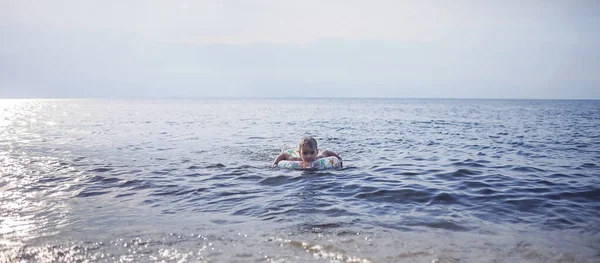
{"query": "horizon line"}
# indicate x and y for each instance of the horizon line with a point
(290, 98)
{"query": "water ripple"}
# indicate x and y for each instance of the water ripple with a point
(425, 180)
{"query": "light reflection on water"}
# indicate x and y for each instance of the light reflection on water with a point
(29, 208)
(426, 181)
(9, 108)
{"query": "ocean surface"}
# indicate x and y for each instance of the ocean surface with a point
(191, 181)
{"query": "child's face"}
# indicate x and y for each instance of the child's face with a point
(308, 154)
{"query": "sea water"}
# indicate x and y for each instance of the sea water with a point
(191, 181)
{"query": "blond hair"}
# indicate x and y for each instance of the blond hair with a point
(307, 141)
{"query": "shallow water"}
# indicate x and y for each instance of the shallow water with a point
(190, 181)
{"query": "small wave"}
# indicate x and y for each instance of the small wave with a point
(444, 197)
(103, 180)
(318, 228)
(559, 222)
(528, 169)
(448, 225)
(225, 222)
(218, 165)
(589, 165)
(383, 169)
(91, 193)
(175, 190)
(469, 164)
(476, 184)
(53, 179)
(327, 252)
(396, 196)
(527, 252)
(124, 195)
(530, 205)
(250, 177)
(460, 173)
(176, 193)
(486, 191)
(531, 154)
(277, 180)
(559, 175)
(538, 190)
(408, 173)
(414, 254)
(586, 195)
(165, 149)
(101, 170)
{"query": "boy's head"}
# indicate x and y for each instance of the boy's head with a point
(308, 149)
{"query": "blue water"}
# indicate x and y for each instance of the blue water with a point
(190, 181)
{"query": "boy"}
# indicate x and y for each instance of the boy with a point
(308, 152)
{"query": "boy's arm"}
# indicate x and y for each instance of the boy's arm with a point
(281, 157)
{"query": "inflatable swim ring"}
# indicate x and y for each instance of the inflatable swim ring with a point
(320, 164)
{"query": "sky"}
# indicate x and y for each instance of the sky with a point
(277, 48)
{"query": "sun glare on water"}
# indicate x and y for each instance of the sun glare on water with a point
(9, 108)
